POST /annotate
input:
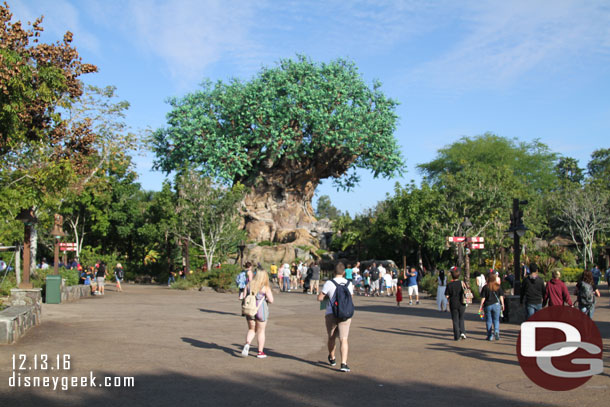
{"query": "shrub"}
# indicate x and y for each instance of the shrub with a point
(70, 277)
(429, 284)
(571, 274)
(182, 284)
(219, 279)
(8, 283)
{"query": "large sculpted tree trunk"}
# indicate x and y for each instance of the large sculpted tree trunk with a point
(277, 211)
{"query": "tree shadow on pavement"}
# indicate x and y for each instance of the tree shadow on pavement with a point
(413, 311)
(212, 311)
(255, 387)
(478, 354)
(235, 351)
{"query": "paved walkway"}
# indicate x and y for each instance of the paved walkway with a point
(182, 348)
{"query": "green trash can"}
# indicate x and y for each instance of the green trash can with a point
(53, 290)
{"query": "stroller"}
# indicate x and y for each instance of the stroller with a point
(307, 281)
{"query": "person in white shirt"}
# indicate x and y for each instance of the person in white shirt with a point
(335, 326)
(286, 277)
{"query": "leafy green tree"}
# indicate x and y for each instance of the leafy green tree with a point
(326, 209)
(480, 176)
(599, 167)
(37, 80)
(585, 214)
(568, 170)
(532, 163)
(208, 214)
(280, 134)
(415, 219)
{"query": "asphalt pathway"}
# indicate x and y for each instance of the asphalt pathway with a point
(182, 348)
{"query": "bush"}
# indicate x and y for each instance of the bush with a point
(219, 279)
(571, 274)
(70, 277)
(429, 284)
(9, 282)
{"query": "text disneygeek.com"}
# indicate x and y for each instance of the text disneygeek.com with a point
(24, 364)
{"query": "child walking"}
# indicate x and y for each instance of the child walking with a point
(398, 295)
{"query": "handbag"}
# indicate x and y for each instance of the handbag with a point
(467, 295)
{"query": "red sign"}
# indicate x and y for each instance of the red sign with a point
(477, 246)
(67, 247)
(476, 239)
(456, 239)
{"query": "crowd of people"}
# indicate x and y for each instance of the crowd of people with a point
(95, 276)
(453, 295)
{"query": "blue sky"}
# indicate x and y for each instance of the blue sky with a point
(520, 69)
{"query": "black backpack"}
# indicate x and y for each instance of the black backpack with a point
(586, 296)
(375, 274)
(342, 304)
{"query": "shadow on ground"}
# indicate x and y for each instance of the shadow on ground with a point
(253, 387)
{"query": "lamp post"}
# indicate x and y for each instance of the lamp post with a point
(57, 233)
(516, 231)
(465, 225)
(28, 218)
(241, 248)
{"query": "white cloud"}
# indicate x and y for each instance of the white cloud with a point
(190, 35)
(505, 40)
(59, 16)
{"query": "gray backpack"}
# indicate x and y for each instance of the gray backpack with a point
(586, 295)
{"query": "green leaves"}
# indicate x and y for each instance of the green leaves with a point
(299, 115)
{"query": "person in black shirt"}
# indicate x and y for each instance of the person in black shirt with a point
(492, 298)
(454, 293)
(532, 291)
(100, 277)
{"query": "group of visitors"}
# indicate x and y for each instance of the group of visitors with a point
(95, 276)
(256, 295)
(534, 295)
(291, 277)
(452, 296)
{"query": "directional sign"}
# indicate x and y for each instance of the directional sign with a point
(476, 239)
(456, 239)
(477, 246)
(67, 247)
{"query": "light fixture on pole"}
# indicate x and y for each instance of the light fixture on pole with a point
(57, 233)
(28, 217)
(516, 231)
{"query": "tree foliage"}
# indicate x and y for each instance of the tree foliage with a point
(298, 118)
(208, 214)
(325, 208)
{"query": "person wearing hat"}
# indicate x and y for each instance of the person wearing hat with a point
(532, 291)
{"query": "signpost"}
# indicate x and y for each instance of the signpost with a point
(472, 243)
(67, 247)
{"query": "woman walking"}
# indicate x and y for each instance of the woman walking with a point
(454, 294)
(492, 298)
(119, 274)
(260, 287)
(441, 300)
(586, 291)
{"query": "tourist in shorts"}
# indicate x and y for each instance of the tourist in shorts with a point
(100, 276)
(257, 324)
(336, 327)
(412, 288)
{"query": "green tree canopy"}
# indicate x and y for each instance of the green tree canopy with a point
(532, 163)
(299, 119)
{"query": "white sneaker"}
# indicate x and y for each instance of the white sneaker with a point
(245, 350)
